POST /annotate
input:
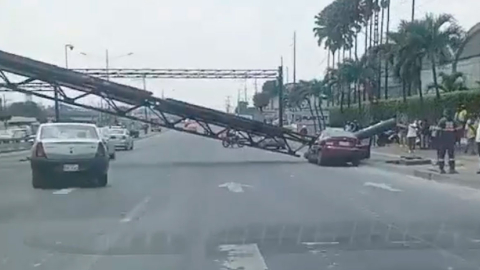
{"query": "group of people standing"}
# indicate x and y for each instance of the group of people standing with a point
(445, 136)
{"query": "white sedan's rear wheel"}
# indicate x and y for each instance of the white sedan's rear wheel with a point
(102, 180)
(37, 180)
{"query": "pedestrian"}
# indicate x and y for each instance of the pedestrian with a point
(402, 134)
(412, 130)
(448, 128)
(424, 134)
(471, 132)
(461, 119)
(477, 140)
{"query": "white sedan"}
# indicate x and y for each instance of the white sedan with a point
(110, 144)
(121, 138)
(66, 152)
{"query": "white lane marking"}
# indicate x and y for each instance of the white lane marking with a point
(320, 243)
(234, 187)
(64, 191)
(381, 186)
(245, 257)
(405, 242)
(135, 212)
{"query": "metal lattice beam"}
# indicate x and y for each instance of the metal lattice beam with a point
(124, 100)
(181, 73)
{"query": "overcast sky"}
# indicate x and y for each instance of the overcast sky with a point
(184, 34)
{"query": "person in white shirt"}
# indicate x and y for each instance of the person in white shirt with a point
(412, 135)
(477, 140)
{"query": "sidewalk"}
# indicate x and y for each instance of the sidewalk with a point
(466, 165)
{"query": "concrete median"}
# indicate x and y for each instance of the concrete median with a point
(8, 146)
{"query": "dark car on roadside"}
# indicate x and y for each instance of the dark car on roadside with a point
(336, 145)
(135, 133)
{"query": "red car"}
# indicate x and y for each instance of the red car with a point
(335, 145)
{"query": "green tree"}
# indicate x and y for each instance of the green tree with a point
(300, 95)
(261, 100)
(270, 87)
(434, 37)
(27, 109)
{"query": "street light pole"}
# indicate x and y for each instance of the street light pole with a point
(107, 64)
(55, 89)
(67, 47)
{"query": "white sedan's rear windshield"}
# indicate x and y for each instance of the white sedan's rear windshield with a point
(68, 132)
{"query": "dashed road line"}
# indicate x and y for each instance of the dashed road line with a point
(136, 211)
(64, 191)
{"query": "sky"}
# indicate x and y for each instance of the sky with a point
(185, 34)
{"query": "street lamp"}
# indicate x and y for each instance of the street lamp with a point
(107, 67)
(108, 58)
(67, 47)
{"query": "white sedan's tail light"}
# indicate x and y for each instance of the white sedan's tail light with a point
(40, 151)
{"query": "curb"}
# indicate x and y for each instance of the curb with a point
(425, 173)
(443, 178)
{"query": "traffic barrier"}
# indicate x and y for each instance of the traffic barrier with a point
(13, 145)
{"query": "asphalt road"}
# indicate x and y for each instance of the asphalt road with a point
(182, 202)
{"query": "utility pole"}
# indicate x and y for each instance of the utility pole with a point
(144, 82)
(107, 69)
(57, 106)
(280, 95)
(245, 96)
(294, 57)
(413, 10)
(386, 42)
(227, 104)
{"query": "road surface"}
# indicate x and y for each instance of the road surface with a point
(183, 202)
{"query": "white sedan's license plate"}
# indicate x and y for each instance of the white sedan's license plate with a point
(344, 143)
(70, 167)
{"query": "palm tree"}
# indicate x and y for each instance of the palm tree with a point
(332, 82)
(301, 95)
(405, 56)
(433, 38)
(319, 91)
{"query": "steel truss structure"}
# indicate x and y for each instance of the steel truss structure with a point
(124, 99)
(182, 73)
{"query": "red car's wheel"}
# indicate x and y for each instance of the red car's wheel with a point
(320, 160)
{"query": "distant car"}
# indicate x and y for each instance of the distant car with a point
(156, 128)
(191, 126)
(121, 138)
(135, 133)
(335, 145)
(104, 132)
(271, 143)
(65, 152)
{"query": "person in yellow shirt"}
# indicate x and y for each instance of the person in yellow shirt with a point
(470, 133)
(461, 119)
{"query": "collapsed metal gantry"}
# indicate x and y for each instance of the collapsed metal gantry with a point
(41, 79)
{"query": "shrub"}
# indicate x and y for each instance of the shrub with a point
(431, 108)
